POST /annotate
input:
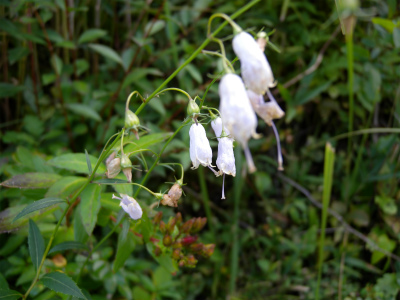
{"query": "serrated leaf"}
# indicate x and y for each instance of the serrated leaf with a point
(36, 244)
(90, 206)
(125, 246)
(75, 162)
(68, 246)
(9, 295)
(89, 164)
(106, 52)
(65, 186)
(90, 35)
(40, 204)
(32, 180)
(84, 110)
(61, 283)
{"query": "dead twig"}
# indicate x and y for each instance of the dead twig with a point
(338, 217)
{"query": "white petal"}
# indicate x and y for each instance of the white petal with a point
(200, 150)
(226, 158)
(265, 110)
(256, 71)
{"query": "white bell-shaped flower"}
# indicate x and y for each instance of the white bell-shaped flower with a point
(130, 206)
(226, 158)
(237, 113)
(256, 71)
(200, 150)
(265, 110)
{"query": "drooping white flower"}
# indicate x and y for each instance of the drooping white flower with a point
(265, 110)
(200, 150)
(130, 206)
(237, 113)
(226, 158)
(256, 71)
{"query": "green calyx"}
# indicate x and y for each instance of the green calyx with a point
(131, 120)
(193, 109)
(125, 162)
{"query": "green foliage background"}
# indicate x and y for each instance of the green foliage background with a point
(67, 69)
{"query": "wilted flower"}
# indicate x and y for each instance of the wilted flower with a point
(126, 166)
(238, 115)
(113, 167)
(256, 71)
(265, 110)
(200, 150)
(130, 206)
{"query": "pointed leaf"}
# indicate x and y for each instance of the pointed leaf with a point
(90, 206)
(65, 186)
(91, 35)
(144, 142)
(106, 52)
(9, 295)
(84, 111)
(3, 283)
(32, 180)
(89, 164)
(61, 283)
(125, 246)
(68, 246)
(36, 244)
(40, 204)
(75, 162)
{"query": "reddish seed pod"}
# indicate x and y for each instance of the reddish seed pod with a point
(182, 263)
(157, 218)
(178, 219)
(197, 248)
(157, 251)
(163, 227)
(208, 250)
(171, 225)
(187, 226)
(176, 254)
(191, 261)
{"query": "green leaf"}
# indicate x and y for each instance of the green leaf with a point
(9, 295)
(80, 234)
(385, 243)
(9, 89)
(75, 162)
(140, 73)
(56, 63)
(65, 186)
(125, 246)
(154, 27)
(40, 204)
(68, 246)
(16, 54)
(84, 111)
(3, 283)
(61, 283)
(106, 52)
(110, 181)
(36, 244)
(387, 204)
(90, 35)
(385, 23)
(396, 37)
(90, 206)
(144, 142)
(89, 164)
(32, 181)
(109, 203)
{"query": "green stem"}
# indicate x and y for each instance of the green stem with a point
(225, 61)
(206, 201)
(228, 19)
(195, 53)
(173, 89)
(72, 201)
(235, 226)
(175, 164)
(328, 175)
(159, 156)
(350, 83)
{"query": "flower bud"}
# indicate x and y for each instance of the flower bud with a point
(157, 251)
(198, 224)
(113, 167)
(163, 227)
(208, 250)
(191, 261)
(177, 245)
(157, 218)
(187, 226)
(171, 225)
(176, 254)
(167, 240)
(196, 248)
(182, 263)
(111, 157)
(192, 109)
(132, 122)
(178, 219)
(188, 240)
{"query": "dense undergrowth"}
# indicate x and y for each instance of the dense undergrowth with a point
(67, 68)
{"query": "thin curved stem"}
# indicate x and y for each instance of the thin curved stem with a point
(130, 96)
(226, 61)
(235, 26)
(174, 89)
(176, 164)
(278, 145)
(139, 151)
(196, 52)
